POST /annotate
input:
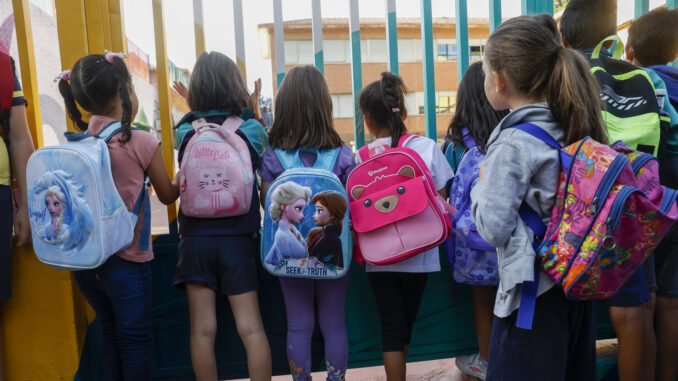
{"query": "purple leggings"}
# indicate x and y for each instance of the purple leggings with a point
(330, 297)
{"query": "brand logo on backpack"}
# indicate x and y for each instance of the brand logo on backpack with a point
(372, 173)
(620, 102)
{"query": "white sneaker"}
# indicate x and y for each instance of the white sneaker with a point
(472, 365)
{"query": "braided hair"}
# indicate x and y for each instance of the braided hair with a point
(94, 83)
(383, 102)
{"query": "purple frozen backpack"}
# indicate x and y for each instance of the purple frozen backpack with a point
(472, 260)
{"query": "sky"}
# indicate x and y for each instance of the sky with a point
(219, 35)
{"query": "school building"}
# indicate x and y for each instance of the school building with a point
(337, 52)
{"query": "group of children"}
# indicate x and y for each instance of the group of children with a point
(530, 67)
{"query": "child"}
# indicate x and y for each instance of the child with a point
(653, 43)
(14, 129)
(119, 291)
(303, 119)
(473, 122)
(527, 70)
(583, 25)
(398, 288)
(218, 255)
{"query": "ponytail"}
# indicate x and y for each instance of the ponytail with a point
(527, 50)
(71, 107)
(383, 102)
(572, 95)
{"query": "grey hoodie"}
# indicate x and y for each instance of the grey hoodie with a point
(517, 167)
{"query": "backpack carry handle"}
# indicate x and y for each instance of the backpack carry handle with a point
(364, 152)
(618, 48)
(325, 159)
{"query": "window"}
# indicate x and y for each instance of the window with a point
(447, 102)
(476, 52)
(373, 50)
(447, 52)
(409, 50)
(336, 50)
(298, 52)
(342, 105)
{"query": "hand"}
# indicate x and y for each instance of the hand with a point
(480, 172)
(180, 88)
(254, 98)
(22, 226)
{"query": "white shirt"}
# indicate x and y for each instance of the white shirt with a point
(432, 155)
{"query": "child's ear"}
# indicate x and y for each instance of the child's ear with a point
(403, 116)
(630, 54)
(499, 82)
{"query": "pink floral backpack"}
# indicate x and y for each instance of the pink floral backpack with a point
(216, 177)
(395, 210)
(609, 216)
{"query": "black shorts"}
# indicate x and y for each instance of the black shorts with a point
(6, 230)
(561, 345)
(226, 264)
(666, 265)
(398, 297)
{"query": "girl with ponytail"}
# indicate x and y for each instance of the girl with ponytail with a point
(119, 291)
(528, 71)
(398, 288)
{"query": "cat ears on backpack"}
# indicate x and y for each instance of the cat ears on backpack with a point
(405, 171)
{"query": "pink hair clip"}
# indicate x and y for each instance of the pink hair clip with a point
(110, 56)
(65, 75)
(395, 109)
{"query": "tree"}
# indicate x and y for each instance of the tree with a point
(559, 5)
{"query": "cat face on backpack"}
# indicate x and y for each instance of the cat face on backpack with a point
(388, 203)
(213, 179)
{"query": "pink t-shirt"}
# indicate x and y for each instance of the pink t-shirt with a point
(129, 162)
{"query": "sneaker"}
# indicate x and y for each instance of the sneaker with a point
(472, 365)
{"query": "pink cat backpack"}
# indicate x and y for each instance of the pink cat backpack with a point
(216, 176)
(395, 208)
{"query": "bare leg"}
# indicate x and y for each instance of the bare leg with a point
(667, 338)
(483, 304)
(245, 309)
(637, 346)
(201, 304)
(395, 365)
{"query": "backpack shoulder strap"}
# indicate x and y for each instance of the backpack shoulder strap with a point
(232, 123)
(405, 139)
(111, 129)
(539, 133)
(326, 159)
(469, 142)
(287, 158)
(618, 48)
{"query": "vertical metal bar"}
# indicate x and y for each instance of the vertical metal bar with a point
(427, 63)
(279, 38)
(72, 31)
(463, 51)
(640, 7)
(317, 26)
(97, 25)
(117, 24)
(29, 77)
(548, 6)
(356, 73)
(671, 4)
(198, 28)
(239, 38)
(528, 7)
(164, 102)
(392, 36)
(495, 14)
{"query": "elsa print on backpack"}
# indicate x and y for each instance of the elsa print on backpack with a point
(307, 208)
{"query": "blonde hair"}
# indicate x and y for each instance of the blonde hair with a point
(56, 192)
(286, 194)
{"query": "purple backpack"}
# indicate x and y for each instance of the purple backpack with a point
(472, 260)
(609, 215)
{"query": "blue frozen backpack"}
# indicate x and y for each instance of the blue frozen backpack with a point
(78, 219)
(306, 230)
(473, 261)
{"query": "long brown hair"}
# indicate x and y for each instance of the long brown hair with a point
(383, 102)
(303, 112)
(335, 204)
(217, 84)
(527, 51)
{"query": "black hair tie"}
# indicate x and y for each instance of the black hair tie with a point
(554, 54)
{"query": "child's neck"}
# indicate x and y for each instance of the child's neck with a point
(114, 113)
(382, 133)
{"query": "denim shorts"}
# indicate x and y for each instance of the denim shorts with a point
(6, 223)
(635, 291)
(666, 265)
(226, 264)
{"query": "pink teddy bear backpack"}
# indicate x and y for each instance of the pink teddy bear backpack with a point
(396, 211)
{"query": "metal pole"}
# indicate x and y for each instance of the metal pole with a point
(427, 63)
(279, 41)
(239, 38)
(198, 27)
(317, 26)
(495, 14)
(356, 73)
(463, 51)
(392, 36)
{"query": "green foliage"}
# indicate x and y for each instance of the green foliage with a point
(559, 5)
